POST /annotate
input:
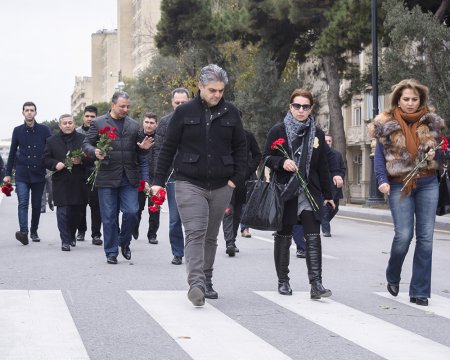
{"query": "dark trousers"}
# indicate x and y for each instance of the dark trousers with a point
(23, 191)
(232, 219)
(68, 217)
(327, 215)
(153, 217)
(96, 220)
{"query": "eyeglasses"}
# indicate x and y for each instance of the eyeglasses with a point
(305, 107)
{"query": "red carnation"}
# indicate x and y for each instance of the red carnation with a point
(7, 189)
(277, 142)
(444, 144)
(153, 208)
(141, 185)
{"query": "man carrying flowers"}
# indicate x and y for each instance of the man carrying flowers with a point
(63, 156)
(117, 172)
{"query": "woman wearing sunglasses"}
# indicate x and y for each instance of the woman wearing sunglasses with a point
(295, 151)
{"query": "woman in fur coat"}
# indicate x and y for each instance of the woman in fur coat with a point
(301, 148)
(405, 134)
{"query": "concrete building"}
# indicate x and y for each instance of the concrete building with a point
(118, 54)
(136, 24)
(105, 64)
(82, 94)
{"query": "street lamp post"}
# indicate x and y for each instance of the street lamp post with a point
(375, 196)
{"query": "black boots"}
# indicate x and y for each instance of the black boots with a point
(281, 257)
(314, 264)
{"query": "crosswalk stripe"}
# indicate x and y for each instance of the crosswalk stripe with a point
(376, 335)
(37, 325)
(293, 246)
(438, 305)
(204, 333)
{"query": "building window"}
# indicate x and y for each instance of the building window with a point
(357, 169)
(357, 116)
(369, 105)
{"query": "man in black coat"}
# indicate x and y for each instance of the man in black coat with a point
(205, 142)
(337, 173)
(68, 180)
(119, 174)
(232, 217)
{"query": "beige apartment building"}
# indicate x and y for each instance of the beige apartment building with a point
(119, 54)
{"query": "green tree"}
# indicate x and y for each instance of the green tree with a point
(411, 32)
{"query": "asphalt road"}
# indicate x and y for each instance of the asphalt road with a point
(73, 305)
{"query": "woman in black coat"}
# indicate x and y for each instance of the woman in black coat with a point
(69, 186)
(304, 144)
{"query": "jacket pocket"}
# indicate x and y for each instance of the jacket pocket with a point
(191, 120)
(227, 160)
(190, 158)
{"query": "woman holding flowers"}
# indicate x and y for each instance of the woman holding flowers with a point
(408, 136)
(296, 152)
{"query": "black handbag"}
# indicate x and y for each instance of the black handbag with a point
(443, 206)
(264, 207)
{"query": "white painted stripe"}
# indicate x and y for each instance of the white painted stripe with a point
(376, 335)
(293, 246)
(438, 305)
(204, 333)
(37, 325)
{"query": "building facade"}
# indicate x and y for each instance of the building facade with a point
(82, 94)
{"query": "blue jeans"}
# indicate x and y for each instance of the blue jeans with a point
(175, 229)
(111, 200)
(23, 195)
(421, 204)
(297, 235)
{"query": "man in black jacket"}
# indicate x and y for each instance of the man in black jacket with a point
(205, 141)
(118, 176)
(179, 96)
(337, 173)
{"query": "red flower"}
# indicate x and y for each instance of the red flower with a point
(444, 144)
(141, 185)
(277, 142)
(162, 193)
(153, 208)
(7, 189)
(112, 136)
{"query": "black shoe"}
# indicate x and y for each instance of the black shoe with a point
(97, 241)
(80, 236)
(51, 206)
(419, 301)
(65, 247)
(177, 260)
(136, 233)
(236, 248)
(196, 295)
(210, 293)
(393, 289)
(126, 252)
(318, 291)
(73, 243)
(231, 249)
(35, 237)
(284, 288)
(111, 259)
(301, 253)
(22, 237)
(326, 234)
(152, 240)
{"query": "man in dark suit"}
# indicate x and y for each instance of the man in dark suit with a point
(25, 154)
(337, 172)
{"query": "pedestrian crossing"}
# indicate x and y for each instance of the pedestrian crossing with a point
(37, 324)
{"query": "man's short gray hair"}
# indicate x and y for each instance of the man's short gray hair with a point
(213, 72)
(119, 94)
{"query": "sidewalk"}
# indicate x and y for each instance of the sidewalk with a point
(359, 212)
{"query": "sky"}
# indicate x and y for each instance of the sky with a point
(44, 45)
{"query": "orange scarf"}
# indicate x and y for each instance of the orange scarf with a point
(409, 124)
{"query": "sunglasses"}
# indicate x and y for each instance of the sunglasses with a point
(305, 107)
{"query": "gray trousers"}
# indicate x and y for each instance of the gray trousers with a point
(201, 212)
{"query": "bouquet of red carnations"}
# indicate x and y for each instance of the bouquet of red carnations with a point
(107, 135)
(157, 199)
(7, 189)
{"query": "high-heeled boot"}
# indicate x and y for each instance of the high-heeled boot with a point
(281, 257)
(314, 265)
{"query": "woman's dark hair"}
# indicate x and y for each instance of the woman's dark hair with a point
(304, 93)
